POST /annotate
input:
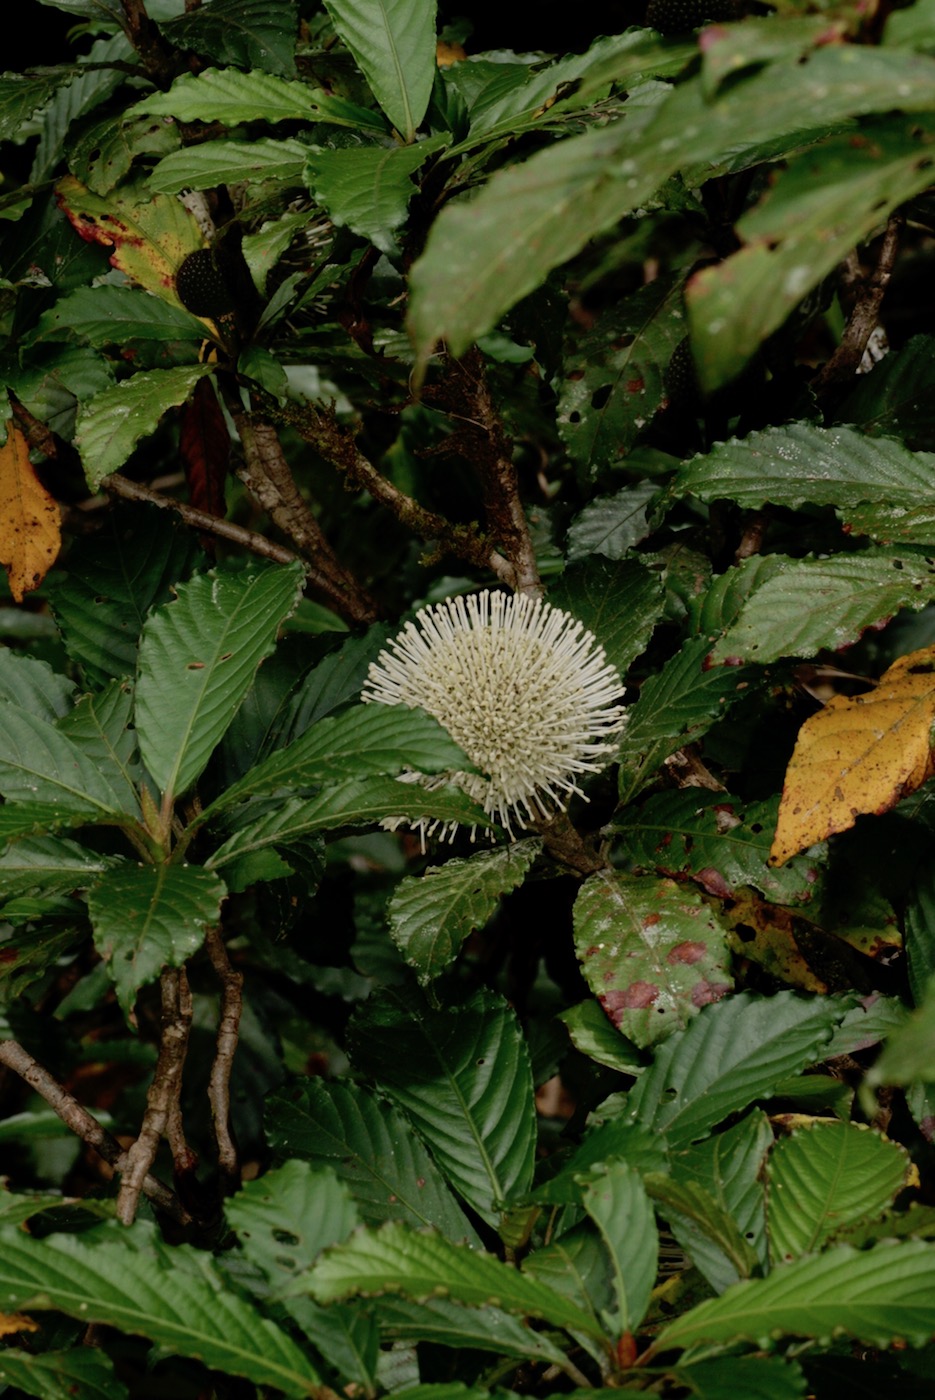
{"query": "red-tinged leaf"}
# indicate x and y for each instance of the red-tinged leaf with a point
(204, 447)
(30, 523)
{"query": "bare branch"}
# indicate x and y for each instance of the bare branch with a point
(86, 1126)
(226, 1047)
(865, 315)
(117, 485)
(163, 1092)
(565, 844)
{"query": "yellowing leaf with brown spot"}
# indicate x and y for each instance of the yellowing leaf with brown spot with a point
(859, 754)
(13, 1323)
(30, 522)
(149, 234)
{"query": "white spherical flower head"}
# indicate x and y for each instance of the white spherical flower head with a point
(522, 687)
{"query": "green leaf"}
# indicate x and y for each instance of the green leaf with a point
(48, 864)
(704, 1230)
(396, 1259)
(38, 763)
(449, 1324)
(592, 1033)
(733, 1053)
(103, 154)
(227, 96)
(245, 33)
(718, 840)
(614, 379)
(219, 162)
(393, 43)
(879, 1296)
(84, 1372)
(371, 1146)
(368, 188)
(729, 1167)
(617, 1202)
(650, 952)
(174, 1296)
(620, 602)
(753, 1377)
(23, 94)
(430, 917)
(824, 1177)
(462, 1075)
(611, 525)
(357, 803)
(111, 424)
(36, 818)
(895, 397)
(114, 578)
(29, 955)
(816, 209)
(287, 1217)
(147, 917)
(198, 658)
(115, 315)
(101, 726)
(96, 79)
(675, 707)
(32, 685)
(813, 603)
(364, 741)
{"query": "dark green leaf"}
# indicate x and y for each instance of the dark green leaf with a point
(286, 1218)
(620, 602)
(83, 1372)
(112, 423)
(895, 397)
(616, 1201)
(611, 525)
(368, 188)
(225, 95)
(39, 763)
(33, 685)
(214, 162)
(729, 1166)
(753, 1377)
(115, 315)
(246, 33)
(393, 42)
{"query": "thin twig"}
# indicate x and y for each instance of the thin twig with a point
(337, 446)
(75, 1116)
(163, 1092)
(865, 315)
(226, 1047)
(117, 485)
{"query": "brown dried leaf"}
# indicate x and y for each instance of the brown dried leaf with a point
(30, 520)
(859, 754)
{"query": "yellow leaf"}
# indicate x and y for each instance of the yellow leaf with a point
(30, 522)
(11, 1323)
(859, 754)
(149, 234)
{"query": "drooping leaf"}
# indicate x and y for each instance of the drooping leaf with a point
(731, 1054)
(198, 657)
(86, 1372)
(150, 234)
(824, 1177)
(214, 162)
(617, 1202)
(431, 916)
(614, 377)
(114, 578)
(228, 96)
(34, 686)
(463, 1076)
(147, 917)
(397, 1259)
(245, 33)
(825, 200)
(373, 1149)
(650, 952)
(592, 1033)
(30, 520)
(111, 424)
(38, 763)
(174, 1296)
(675, 707)
(117, 316)
(367, 188)
(393, 43)
(812, 603)
(860, 753)
(619, 601)
(287, 1217)
(878, 1296)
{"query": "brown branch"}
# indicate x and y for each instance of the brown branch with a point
(565, 844)
(158, 58)
(754, 532)
(268, 478)
(85, 1126)
(226, 1047)
(491, 451)
(338, 447)
(163, 1092)
(865, 315)
(117, 485)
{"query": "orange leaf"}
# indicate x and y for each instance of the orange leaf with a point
(30, 522)
(13, 1323)
(859, 754)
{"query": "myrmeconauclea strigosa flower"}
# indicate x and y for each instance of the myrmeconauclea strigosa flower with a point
(522, 687)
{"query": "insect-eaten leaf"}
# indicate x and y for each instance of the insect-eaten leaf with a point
(860, 754)
(30, 521)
